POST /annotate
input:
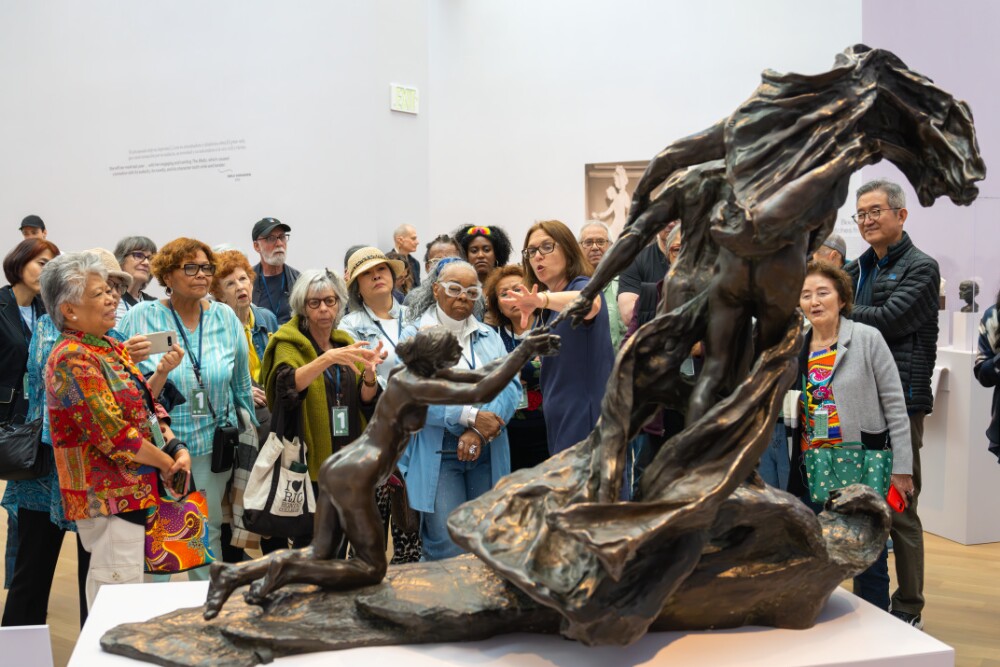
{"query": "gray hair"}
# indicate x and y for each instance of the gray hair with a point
(895, 194)
(131, 244)
(421, 298)
(402, 229)
(593, 223)
(63, 280)
(314, 280)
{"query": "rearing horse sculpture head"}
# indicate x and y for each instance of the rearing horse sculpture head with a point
(920, 128)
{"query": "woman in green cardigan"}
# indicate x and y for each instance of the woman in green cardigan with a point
(317, 375)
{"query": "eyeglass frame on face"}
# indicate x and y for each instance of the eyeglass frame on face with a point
(590, 243)
(272, 239)
(118, 287)
(330, 302)
(876, 213)
(140, 256)
(530, 251)
(472, 292)
(192, 269)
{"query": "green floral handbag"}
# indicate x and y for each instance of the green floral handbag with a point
(831, 468)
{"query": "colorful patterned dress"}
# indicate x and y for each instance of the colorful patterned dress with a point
(98, 421)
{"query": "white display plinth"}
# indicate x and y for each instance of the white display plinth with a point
(960, 477)
(964, 331)
(849, 632)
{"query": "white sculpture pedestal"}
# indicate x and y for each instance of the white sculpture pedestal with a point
(849, 632)
(964, 331)
(960, 478)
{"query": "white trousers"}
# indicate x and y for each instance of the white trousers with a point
(117, 552)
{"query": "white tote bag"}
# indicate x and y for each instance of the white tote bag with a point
(278, 500)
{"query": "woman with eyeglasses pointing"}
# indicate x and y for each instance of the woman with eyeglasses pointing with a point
(573, 382)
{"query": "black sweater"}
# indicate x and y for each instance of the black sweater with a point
(902, 303)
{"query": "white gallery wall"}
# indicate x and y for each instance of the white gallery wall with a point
(236, 110)
(527, 92)
(197, 119)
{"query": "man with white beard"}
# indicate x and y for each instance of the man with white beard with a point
(274, 278)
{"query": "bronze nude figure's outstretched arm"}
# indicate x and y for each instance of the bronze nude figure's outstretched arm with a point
(462, 386)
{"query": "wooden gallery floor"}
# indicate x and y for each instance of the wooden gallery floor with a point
(962, 587)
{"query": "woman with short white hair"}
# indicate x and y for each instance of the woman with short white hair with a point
(106, 438)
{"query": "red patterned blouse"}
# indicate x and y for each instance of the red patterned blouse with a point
(98, 422)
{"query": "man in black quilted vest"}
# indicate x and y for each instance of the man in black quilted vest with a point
(896, 291)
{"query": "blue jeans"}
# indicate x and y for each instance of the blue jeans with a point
(775, 464)
(459, 482)
(872, 585)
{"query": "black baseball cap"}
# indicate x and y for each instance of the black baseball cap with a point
(264, 227)
(32, 221)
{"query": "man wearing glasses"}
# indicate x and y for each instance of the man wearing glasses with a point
(274, 277)
(595, 241)
(896, 291)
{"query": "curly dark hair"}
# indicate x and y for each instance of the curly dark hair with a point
(841, 282)
(490, 291)
(173, 254)
(495, 235)
(429, 351)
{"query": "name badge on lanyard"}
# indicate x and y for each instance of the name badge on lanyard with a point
(821, 424)
(340, 420)
(199, 403)
(339, 415)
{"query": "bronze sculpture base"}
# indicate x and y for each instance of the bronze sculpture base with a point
(765, 565)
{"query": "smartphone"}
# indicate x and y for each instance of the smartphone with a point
(895, 499)
(161, 341)
(179, 485)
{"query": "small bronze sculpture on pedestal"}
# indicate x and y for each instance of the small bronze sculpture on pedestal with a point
(968, 290)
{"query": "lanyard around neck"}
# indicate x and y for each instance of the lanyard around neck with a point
(329, 376)
(267, 292)
(399, 330)
(195, 359)
(472, 353)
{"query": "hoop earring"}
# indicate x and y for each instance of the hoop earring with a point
(168, 291)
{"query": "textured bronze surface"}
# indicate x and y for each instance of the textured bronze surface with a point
(708, 545)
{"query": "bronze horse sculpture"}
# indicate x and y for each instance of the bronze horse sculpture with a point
(553, 546)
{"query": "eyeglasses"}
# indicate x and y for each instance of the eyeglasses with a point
(193, 269)
(140, 256)
(591, 243)
(872, 215)
(274, 238)
(455, 290)
(117, 287)
(543, 249)
(328, 301)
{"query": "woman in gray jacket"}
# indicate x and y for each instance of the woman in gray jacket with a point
(852, 393)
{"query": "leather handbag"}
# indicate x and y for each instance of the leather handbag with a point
(21, 453)
(177, 533)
